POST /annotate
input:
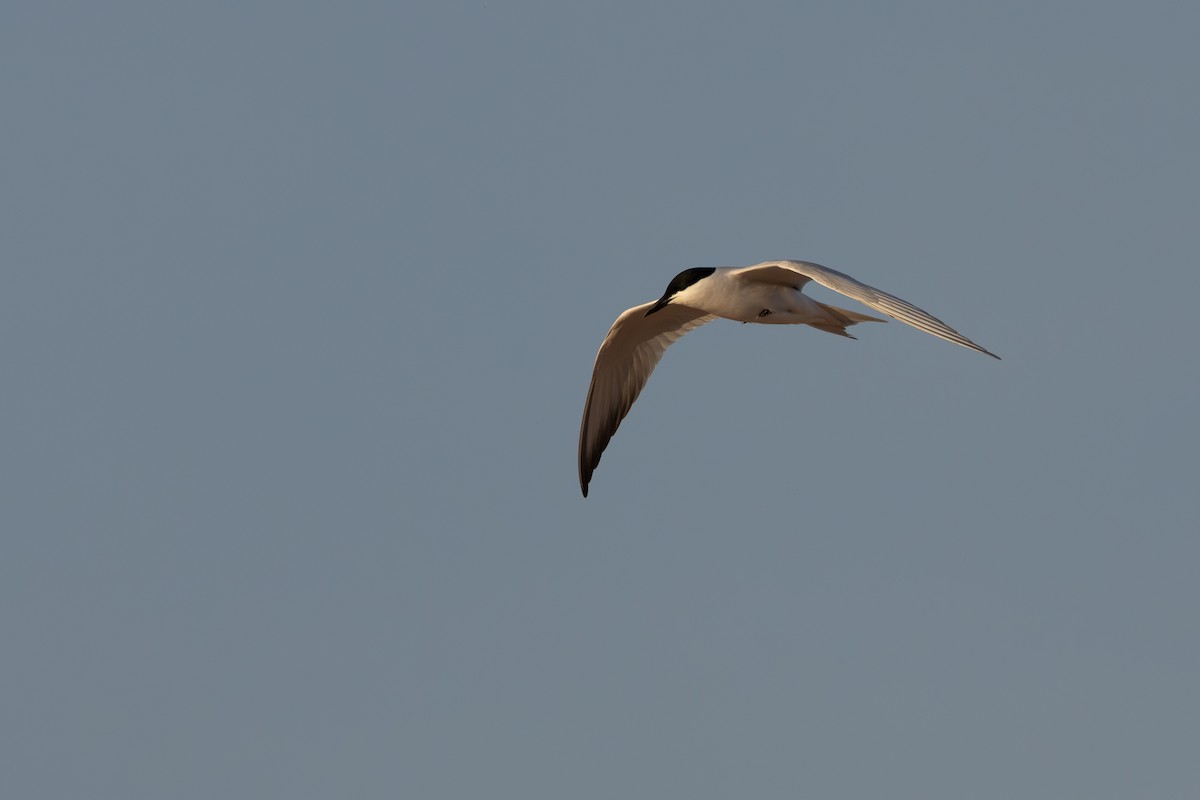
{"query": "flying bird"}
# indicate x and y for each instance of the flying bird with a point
(769, 293)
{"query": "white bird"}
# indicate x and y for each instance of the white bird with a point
(768, 293)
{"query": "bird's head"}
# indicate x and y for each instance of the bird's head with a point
(680, 282)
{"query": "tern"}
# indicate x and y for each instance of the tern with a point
(769, 293)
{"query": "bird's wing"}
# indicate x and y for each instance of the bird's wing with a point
(797, 273)
(634, 346)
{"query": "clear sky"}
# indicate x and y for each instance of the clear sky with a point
(298, 309)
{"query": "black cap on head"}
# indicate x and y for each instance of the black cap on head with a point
(679, 283)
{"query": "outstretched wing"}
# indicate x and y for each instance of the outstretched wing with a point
(634, 346)
(797, 273)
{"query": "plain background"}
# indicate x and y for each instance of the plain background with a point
(298, 307)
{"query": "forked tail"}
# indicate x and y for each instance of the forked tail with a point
(840, 319)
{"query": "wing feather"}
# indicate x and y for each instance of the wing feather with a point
(630, 352)
(797, 273)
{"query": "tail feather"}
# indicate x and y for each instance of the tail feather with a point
(849, 317)
(841, 318)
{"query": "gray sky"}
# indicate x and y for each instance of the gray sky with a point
(297, 316)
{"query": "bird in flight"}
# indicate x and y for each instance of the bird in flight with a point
(769, 293)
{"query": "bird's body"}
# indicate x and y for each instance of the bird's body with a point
(730, 294)
(767, 293)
